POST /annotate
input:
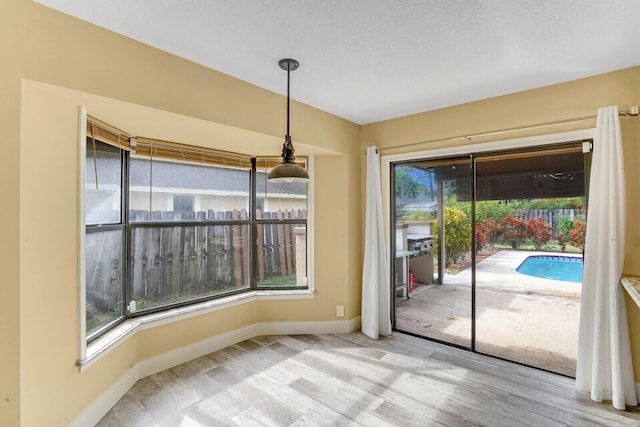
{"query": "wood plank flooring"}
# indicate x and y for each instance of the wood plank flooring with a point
(351, 380)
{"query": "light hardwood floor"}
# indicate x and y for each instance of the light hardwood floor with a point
(350, 380)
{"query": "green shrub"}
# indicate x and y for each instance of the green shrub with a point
(564, 225)
(417, 215)
(457, 239)
(559, 203)
(496, 209)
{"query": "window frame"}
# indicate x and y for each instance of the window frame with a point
(129, 276)
(256, 222)
(279, 222)
(127, 226)
(121, 226)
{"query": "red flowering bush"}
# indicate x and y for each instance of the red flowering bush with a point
(577, 234)
(513, 231)
(481, 238)
(491, 230)
(539, 232)
(562, 241)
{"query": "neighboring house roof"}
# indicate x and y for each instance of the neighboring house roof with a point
(175, 175)
(199, 177)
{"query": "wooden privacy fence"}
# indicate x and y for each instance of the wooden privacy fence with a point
(104, 269)
(276, 243)
(551, 216)
(176, 261)
(170, 263)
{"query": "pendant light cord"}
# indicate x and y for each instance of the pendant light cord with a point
(288, 84)
(288, 170)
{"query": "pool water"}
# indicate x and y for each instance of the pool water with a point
(556, 267)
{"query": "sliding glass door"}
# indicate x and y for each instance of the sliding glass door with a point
(530, 222)
(433, 244)
(488, 252)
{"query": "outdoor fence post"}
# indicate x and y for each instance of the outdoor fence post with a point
(301, 255)
(282, 247)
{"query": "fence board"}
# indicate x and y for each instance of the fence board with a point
(211, 253)
(269, 238)
(282, 244)
(201, 253)
(260, 244)
(104, 270)
(175, 269)
(237, 249)
(246, 247)
(170, 263)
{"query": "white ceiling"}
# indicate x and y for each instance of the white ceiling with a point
(371, 60)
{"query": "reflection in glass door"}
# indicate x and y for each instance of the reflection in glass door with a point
(488, 253)
(433, 243)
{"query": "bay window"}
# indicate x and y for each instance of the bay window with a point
(169, 224)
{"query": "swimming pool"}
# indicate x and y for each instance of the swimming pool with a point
(556, 267)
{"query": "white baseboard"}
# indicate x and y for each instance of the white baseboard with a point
(180, 355)
(91, 415)
(146, 367)
(355, 324)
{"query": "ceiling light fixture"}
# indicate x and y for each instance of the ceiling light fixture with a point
(288, 170)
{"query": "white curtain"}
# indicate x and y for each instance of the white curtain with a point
(376, 310)
(604, 353)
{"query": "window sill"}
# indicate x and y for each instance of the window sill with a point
(632, 286)
(109, 341)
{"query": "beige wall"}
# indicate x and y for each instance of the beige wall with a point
(58, 63)
(151, 93)
(9, 220)
(579, 98)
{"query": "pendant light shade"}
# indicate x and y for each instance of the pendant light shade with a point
(288, 170)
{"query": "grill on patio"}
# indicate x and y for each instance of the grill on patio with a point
(414, 254)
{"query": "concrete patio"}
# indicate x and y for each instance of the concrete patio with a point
(529, 320)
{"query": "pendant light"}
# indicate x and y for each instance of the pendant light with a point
(288, 170)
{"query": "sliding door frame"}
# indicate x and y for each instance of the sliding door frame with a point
(473, 151)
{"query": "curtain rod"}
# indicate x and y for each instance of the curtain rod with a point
(631, 112)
